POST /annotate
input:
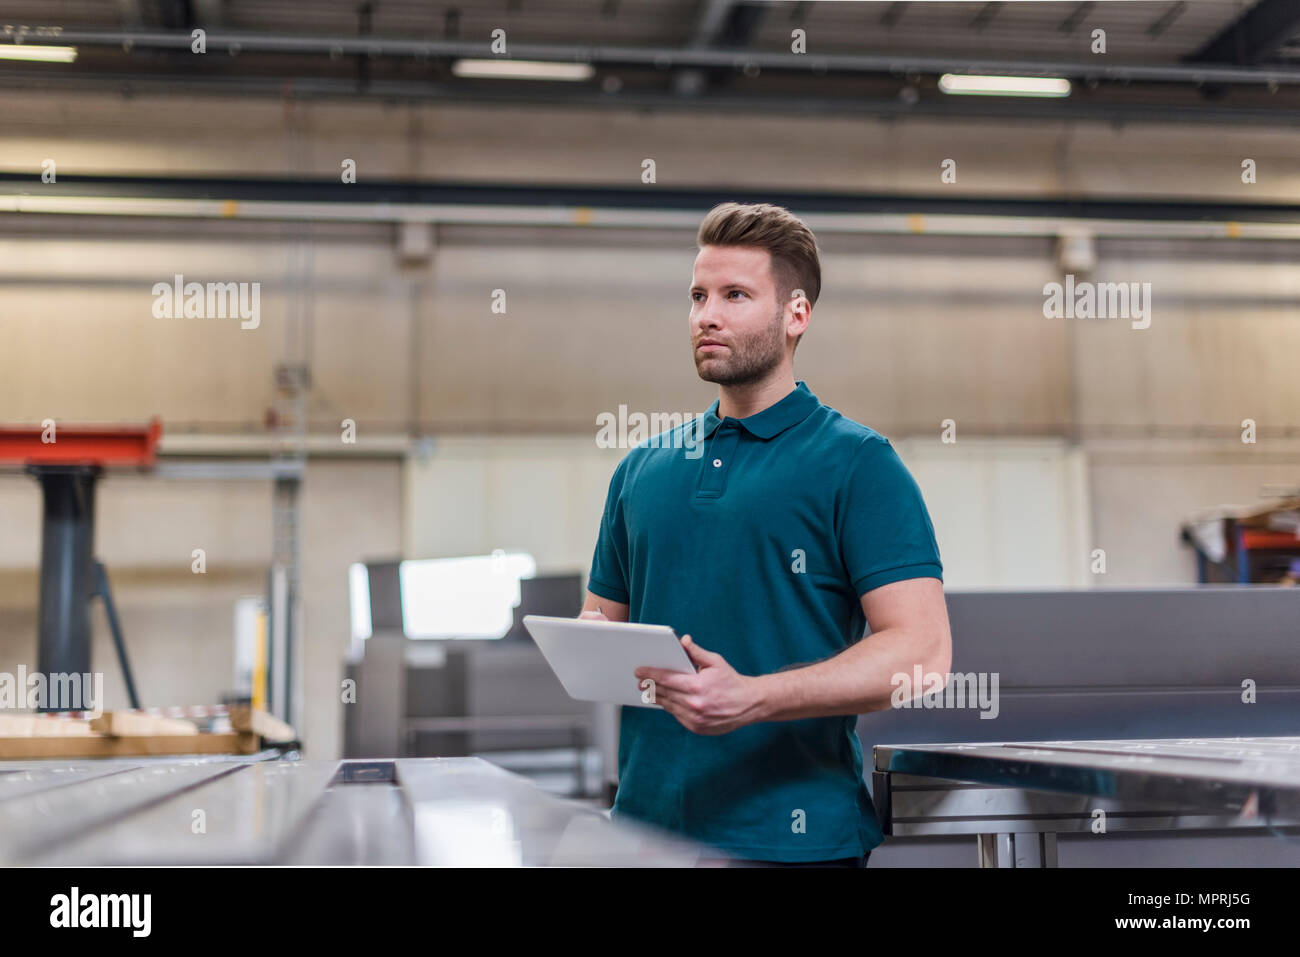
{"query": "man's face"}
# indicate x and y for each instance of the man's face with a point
(737, 323)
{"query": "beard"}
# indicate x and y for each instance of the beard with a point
(747, 360)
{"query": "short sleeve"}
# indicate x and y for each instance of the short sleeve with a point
(884, 529)
(609, 571)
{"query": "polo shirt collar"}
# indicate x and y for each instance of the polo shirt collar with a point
(773, 420)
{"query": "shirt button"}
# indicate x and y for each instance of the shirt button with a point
(717, 463)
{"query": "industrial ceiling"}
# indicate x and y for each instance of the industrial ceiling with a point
(1216, 60)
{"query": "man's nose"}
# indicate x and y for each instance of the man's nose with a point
(706, 318)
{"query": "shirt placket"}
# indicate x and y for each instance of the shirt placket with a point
(717, 461)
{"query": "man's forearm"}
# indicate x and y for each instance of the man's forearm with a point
(859, 680)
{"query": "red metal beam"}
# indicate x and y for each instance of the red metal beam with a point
(1257, 538)
(132, 447)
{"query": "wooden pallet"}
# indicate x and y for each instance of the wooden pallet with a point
(120, 734)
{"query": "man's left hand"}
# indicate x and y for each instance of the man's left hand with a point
(714, 700)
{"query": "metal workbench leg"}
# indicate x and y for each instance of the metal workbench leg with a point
(1017, 850)
(1035, 850)
(995, 850)
(1049, 850)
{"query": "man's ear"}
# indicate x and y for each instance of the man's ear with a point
(800, 308)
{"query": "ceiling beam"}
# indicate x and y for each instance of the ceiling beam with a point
(1255, 35)
(985, 16)
(1071, 23)
(709, 21)
(210, 13)
(1166, 20)
(893, 14)
(719, 23)
(131, 13)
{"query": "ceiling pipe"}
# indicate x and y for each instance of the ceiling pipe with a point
(615, 218)
(671, 57)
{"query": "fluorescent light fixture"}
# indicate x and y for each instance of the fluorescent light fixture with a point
(37, 53)
(522, 70)
(968, 85)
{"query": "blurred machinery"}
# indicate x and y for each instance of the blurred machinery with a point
(1247, 545)
(477, 685)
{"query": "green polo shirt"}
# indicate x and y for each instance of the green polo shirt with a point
(757, 537)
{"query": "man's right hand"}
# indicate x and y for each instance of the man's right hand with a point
(596, 615)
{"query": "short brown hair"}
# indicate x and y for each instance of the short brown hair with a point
(795, 263)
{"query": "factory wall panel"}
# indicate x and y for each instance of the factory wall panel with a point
(1224, 328)
(83, 341)
(544, 495)
(900, 340)
(1006, 513)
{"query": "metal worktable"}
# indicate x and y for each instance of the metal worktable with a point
(1016, 797)
(250, 810)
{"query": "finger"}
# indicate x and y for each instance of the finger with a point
(593, 616)
(699, 657)
(666, 697)
(675, 708)
(675, 680)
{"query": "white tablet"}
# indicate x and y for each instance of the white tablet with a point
(597, 660)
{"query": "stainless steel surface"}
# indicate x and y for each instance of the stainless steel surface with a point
(1120, 667)
(467, 812)
(436, 811)
(21, 781)
(34, 823)
(356, 825)
(1247, 776)
(244, 817)
(1016, 797)
(926, 807)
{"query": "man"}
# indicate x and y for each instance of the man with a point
(769, 554)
